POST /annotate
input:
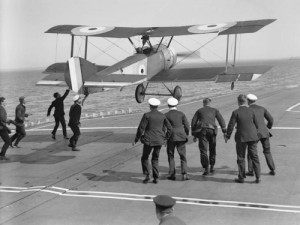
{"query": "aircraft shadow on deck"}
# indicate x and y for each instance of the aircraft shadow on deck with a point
(117, 176)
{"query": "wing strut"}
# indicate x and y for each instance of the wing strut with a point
(227, 53)
(160, 43)
(170, 41)
(72, 45)
(86, 45)
(234, 57)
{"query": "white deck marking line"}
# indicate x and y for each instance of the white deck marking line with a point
(180, 200)
(294, 106)
(107, 128)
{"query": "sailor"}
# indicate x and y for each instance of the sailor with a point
(263, 133)
(151, 132)
(178, 139)
(164, 207)
(74, 122)
(245, 136)
(20, 123)
(205, 129)
(4, 130)
(59, 113)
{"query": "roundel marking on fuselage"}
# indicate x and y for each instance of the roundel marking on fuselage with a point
(91, 30)
(142, 69)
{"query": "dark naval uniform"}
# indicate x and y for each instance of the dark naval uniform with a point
(263, 133)
(178, 138)
(205, 129)
(151, 131)
(59, 113)
(74, 122)
(20, 126)
(245, 136)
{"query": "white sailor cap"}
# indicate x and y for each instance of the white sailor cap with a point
(172, 101)
(251, 97)
(76, 98)
(154, 102)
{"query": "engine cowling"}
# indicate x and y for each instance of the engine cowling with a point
(170, 55)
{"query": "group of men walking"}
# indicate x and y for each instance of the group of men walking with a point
(172, 129)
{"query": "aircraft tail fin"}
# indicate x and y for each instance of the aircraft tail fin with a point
(77, 71)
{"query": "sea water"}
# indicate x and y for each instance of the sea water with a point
(14, 84)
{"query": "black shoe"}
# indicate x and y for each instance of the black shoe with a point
(272, 172)
(171, 178)
(75, 149)
(257, 181)
(250, 174)
(185, 177)
(65, 137)
(146, 180)
(155, 181)
(53, 137)
(212, 169)
(205, 173)
(238, 180)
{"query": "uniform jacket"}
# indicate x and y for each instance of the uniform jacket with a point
(58, 104)
(20, 114)
(179, 124)
(75, 113)
(3, 117)
(171, 220)
(246, 129)
(206, 118)
(261, 113)
(153, 129)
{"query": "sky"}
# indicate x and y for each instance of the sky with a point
(24, 45)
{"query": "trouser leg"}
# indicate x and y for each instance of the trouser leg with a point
(21, 134)
(252, 149)
(170, 151)
(203, 145)
(5, 137)
(76, 134)
(240, 151)
(145, 159)
(56, 125)
(181, 149)
(267, 152)
(154, 161)
(250, 163)
(63, 124)
(212, 147)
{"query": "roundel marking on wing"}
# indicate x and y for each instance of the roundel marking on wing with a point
(210, 28)
(142, 69)
(91, 30)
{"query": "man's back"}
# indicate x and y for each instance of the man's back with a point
(261, 114)
(179, 124)
(246, 124)
(207, 116)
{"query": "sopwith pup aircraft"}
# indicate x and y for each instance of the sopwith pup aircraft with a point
(151, 62)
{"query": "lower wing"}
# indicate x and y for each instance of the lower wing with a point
(217, 74)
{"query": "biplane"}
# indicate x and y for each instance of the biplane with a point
(150, 63)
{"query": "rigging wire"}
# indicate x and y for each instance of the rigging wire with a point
(196, 50)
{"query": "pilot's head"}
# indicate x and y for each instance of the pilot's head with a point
(56, 95)
(206, 101)
(241, 99)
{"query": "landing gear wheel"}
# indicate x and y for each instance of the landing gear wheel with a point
(140, 93)
(177, 93)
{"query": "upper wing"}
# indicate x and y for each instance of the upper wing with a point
(218, 74)
(239, 27)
